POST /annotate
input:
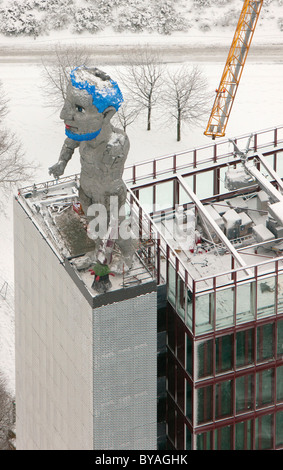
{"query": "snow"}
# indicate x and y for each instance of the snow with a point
(258, 105)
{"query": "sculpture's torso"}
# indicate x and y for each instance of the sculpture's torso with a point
(102, 168)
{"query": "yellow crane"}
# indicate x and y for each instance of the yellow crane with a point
(225, 94)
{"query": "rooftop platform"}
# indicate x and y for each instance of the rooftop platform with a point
(235, 235)
(54, 208)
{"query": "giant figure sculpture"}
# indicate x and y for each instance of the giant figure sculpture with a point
(92, 99)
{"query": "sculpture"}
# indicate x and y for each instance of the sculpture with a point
(91, 101)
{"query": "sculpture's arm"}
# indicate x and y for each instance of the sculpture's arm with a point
(66, 154)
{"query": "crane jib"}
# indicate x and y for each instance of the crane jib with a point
(225, 94)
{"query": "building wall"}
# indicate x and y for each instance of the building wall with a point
(54, 353)
(125, 374)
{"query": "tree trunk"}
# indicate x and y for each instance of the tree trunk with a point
(148, 117)
(179, 126)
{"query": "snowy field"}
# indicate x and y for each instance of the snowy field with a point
(258, 105)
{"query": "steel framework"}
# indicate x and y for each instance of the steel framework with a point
(226, 92)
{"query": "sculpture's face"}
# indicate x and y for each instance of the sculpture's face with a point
(80, 116)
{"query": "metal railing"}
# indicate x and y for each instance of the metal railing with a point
(207, 154)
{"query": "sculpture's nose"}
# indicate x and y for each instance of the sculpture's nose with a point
(66, 112)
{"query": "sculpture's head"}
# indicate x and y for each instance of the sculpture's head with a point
(91, 101)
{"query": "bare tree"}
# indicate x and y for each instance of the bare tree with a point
(56, 72)
(142, 77)
(127, 114)
(14, 169)
(6, 417)
(186, 97)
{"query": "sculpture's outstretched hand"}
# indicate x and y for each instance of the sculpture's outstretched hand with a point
(57, 169)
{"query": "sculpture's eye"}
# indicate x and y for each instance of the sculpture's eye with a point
(80, 109)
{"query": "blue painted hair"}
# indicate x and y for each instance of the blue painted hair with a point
(103, 97)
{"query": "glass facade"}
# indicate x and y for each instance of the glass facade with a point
(224, 367)
(227, 387)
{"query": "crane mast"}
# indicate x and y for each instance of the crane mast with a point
(225, 94)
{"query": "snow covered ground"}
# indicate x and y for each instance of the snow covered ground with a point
(258, 105)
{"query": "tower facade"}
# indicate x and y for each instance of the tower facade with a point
(86, 374)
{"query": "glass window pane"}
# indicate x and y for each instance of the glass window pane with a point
(189, 361)
(204, 441)
(265, 342)
(245, 348)
(205, 358)
(263, 432)
(204, 408)
(164, 195)
(245, 302)
(146, 198)
(243, 435)
(280, 294)
(280, 338)
(180, 403)
(279, 428)
(266, 297)
(189, 317)
(171, 376)
(181, 297)
(264, 388)
(172, 284)
(188, 439)
(204, 184)
(224, 308)
(183, 195)
(189, 400)
(180, 342)
(223, 399)
(204, 313)
(171, 329)
(279, 384)
(223, 438)
(224, 353)
(244, 393)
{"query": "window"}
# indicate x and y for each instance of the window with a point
(265, 342)
(223, 399)
(189, 400)
(181, 299)
(243, 435)
(245, 302)
(171, 375)
(245, 348)
(172, 285)
(280, 338)
(279, 428)
(164, 195)
(204, 410)
(189, 362)
(224, 308)
(264, 388)
(204, 441)
(224, 353)
(204, 313)
(244, 393)
(263, 432)
(279, 384)
(223, 438)
(266, 297)
(205, 358)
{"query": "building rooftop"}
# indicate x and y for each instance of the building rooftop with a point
(54, 208)
(186, 215)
